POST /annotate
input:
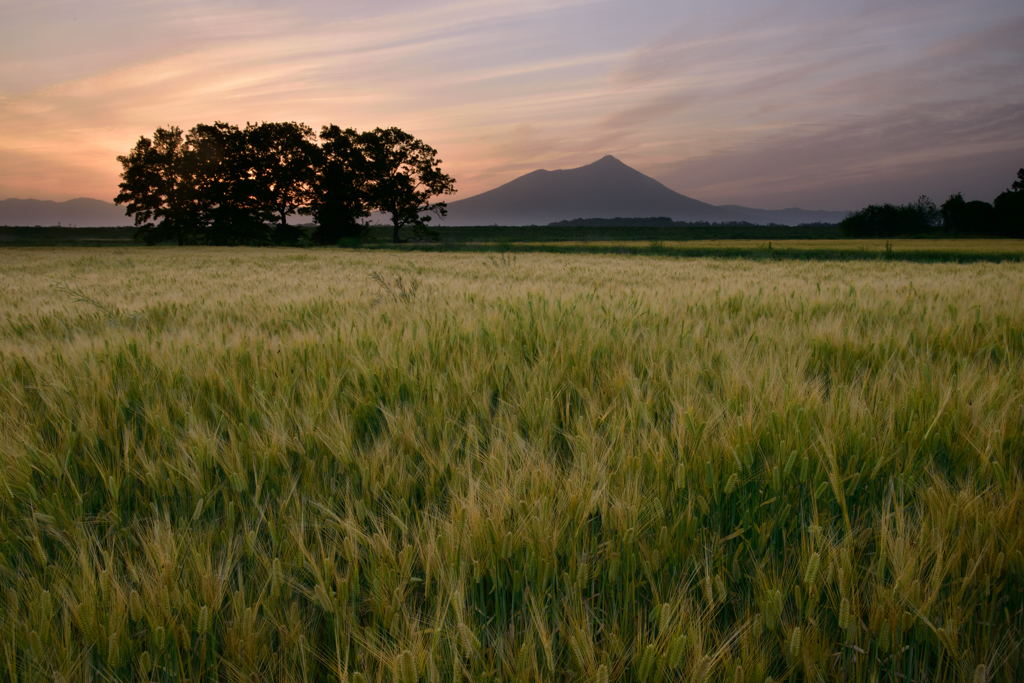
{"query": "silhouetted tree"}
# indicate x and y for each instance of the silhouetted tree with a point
(284, 165)
(156, 188)
(1018, 184)
(928, 214)
(960, 217)
(223, 185)
(888, 220)
(1009, 208)
(403, 174)
(340, 188)
(953, 213)
(228, 205)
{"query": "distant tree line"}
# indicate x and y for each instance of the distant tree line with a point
(222, 184)
(1003, 218)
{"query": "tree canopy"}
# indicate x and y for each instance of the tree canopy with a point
(889, 220)
(221, 184)
(1018, 184)
(404, 174)
(1009, 208)
(961, 217)
(156, 187)
(340, 197)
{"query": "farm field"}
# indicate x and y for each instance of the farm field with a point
(873, 245)
(275, 464)
(911, 250)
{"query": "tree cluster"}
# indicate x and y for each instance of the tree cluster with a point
(222, 184)
(1003, 218)
(891, 220)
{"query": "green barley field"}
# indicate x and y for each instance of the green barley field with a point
(282, 465)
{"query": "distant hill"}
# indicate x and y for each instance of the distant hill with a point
(791, 216)
(606, 188)
(78, 213)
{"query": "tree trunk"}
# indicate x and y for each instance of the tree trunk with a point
(394, 233)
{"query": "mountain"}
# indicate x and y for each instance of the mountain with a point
(606, 188)
(77, 213)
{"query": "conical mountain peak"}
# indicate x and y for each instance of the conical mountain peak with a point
(606, 188)
(608, 161)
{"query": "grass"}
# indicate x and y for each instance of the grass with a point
(386, 465)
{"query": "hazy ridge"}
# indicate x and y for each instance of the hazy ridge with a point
(78, 213)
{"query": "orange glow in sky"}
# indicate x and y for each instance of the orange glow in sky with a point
(828, 104)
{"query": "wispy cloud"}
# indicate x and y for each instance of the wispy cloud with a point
(739, 101)
(884, 154)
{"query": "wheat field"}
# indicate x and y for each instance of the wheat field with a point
(246, 464)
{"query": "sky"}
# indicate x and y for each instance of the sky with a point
(823, 104)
